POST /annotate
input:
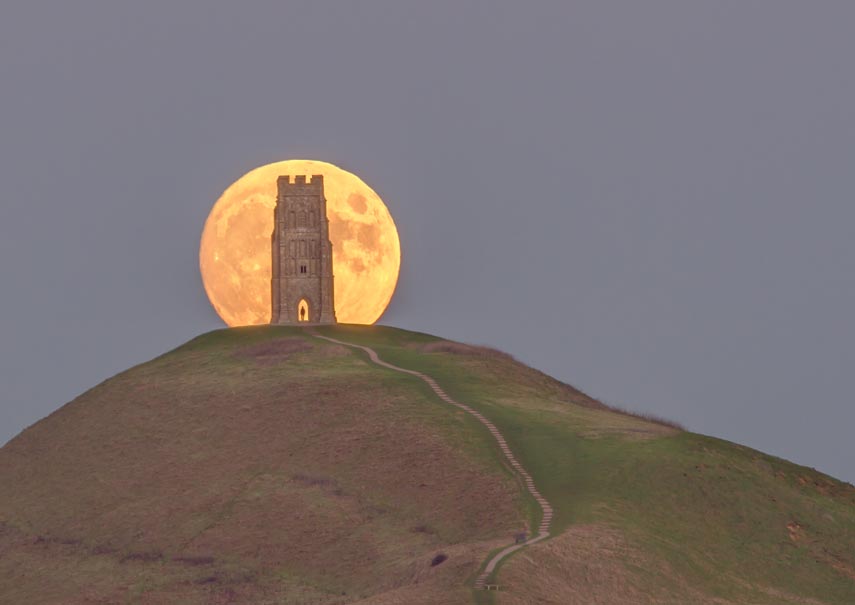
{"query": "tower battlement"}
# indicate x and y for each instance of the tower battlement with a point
(285, 183)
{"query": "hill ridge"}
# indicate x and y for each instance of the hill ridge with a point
(266, 465)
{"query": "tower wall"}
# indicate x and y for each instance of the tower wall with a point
(302, 253)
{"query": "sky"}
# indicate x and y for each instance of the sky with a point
(653, 201)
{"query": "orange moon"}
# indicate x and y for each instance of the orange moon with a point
(235, 258)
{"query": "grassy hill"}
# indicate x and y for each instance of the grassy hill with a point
(263, 465)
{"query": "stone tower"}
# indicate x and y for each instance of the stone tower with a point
(302, 283)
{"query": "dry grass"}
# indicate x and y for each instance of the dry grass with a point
(247, 468)
(598, 564)
(646, 416)
(444, 584)
(509, 368)
(274, 351)
(586, 564)
(459, 348)
(195, 478)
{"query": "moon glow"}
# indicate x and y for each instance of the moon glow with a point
(235, 256)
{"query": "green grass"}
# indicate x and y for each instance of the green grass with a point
(717, 512)
(224, 448)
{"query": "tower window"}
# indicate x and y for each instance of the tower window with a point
(302, 268)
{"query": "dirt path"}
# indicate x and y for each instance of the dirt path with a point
(546, 520)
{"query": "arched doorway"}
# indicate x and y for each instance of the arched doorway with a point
(303, 310)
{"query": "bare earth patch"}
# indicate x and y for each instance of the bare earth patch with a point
(274, 351)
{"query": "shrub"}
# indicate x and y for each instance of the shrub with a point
(438, 559)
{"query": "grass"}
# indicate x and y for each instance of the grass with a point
(716, 513)
(262, 463)
(265, 450)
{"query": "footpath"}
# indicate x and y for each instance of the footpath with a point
(545, 507)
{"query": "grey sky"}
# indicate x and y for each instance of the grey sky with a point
(651, 200)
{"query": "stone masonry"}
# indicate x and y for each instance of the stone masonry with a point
(302, 281)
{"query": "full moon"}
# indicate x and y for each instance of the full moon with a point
(235, 257)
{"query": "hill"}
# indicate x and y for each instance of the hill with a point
(265, 465)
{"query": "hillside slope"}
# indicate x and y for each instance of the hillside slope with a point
(264, 465)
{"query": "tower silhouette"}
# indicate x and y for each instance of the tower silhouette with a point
(302, 280)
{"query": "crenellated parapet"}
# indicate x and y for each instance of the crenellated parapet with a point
(300, 183)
